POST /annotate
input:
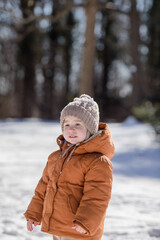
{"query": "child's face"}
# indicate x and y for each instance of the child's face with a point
(74, 130)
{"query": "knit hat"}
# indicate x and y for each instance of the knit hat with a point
(85, 109)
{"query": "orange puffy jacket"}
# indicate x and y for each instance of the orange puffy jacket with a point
(75, 187)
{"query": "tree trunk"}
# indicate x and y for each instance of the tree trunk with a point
(135, 40)
(154, 52)
(48, 101)
(70, 22)
(47, 104)
(109, 51)
(27, 56)
(86, 79)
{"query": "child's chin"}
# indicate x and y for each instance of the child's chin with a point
(73, 141)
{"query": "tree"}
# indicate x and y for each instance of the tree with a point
(27, 61)
(86, 78)
(107, 51)
(49, 69)
(154, 50)
(87, 72)
(54, 58)
(70, 23)
(135, 42)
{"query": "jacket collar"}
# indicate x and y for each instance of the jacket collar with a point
(100, 142)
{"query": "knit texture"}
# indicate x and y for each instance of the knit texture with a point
(85, 109)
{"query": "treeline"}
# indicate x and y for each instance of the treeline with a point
(51, 51)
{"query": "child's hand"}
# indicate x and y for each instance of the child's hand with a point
(79, 229)
(29, 224)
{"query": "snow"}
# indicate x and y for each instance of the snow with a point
(134, 210)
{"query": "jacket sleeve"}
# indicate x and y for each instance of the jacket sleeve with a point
(97, 193)
(35, 208)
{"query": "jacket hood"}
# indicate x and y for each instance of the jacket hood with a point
(101, 142)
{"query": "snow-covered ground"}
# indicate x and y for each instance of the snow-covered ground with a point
(134, 210)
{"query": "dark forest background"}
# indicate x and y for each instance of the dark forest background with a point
(52, 51)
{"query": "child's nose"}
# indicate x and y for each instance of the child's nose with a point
(71, 128)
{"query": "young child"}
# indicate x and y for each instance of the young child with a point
(72, 196)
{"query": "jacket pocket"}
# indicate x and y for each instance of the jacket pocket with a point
(48, 198)
(73, 204)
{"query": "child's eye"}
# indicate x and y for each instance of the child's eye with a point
(66, 125)
(78, 124)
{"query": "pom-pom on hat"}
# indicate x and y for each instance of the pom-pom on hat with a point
(85, 109)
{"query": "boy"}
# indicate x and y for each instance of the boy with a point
(72, 196)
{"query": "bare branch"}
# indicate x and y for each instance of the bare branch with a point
(29, 30)
(66, 9)
(9, 25)
(111, 7)
(55, 18)
(11, 13)
(33, 18)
